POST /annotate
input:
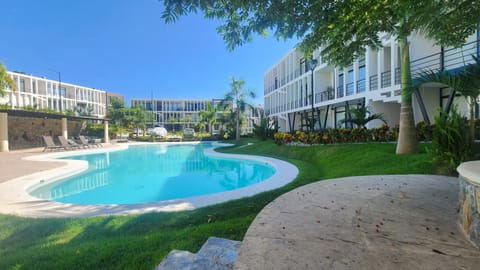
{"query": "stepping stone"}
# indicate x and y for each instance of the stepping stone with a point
(215, 254)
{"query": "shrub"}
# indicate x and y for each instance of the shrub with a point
(265, 130)
(424, 131)
(450, 142)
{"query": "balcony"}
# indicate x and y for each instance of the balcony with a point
(340, 91)
(326, 95)
(373, 82)
(386, 78)
(361, 86)
(350, 89)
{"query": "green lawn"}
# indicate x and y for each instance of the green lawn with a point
(141, 241)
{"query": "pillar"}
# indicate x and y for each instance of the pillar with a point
(106, 138)
(64, 128)
(3, 132)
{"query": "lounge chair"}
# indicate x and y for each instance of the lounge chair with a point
(84, 141)
(75, 144)
(64, 142)
(49, 144)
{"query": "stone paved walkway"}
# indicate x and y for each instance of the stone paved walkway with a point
(367, 222)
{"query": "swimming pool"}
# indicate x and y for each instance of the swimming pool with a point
(151, 173)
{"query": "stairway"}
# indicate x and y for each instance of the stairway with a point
(215, 254)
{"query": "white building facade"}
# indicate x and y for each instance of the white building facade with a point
(40, 93)
(186, 112)
(293, 92)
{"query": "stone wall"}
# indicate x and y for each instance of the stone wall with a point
(26, 131)
(469, 200)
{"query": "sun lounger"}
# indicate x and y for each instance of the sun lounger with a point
(64, 142)
(75, 144)
(84, 141)
(50, 145)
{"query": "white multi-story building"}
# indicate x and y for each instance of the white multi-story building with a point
(41, 93)
(293, 92)
(180, 113)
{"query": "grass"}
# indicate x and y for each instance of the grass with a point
(141, 241)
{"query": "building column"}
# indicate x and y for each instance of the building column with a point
(64, 128)
(3, 132)
(106, 138)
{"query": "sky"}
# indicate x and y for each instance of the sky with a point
(124, 46)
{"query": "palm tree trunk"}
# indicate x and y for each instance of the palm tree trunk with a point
(407, 141)
(238, 124)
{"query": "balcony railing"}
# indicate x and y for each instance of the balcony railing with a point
(326, 95)
(386, 78)
(350, 89)
(340, 91)
(373, 82)
(450, 59)
(361, 86)
(397, 76)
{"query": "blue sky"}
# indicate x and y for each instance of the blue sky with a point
(124, 46)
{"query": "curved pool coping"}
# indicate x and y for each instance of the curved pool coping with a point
(16, 200)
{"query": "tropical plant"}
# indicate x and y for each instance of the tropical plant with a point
(237, 98)
(362, 116)
(83, 110)
(466, 82)
(450, 143)
(265, 130)
(5, 81)
(343, 29)
(209, 116)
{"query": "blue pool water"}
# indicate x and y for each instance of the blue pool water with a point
(149, 173)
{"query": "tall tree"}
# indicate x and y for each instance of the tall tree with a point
(343, 29)
(238, 97)
(209, 116)
(118, 113)
(5, 81)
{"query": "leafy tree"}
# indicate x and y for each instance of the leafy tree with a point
(5, 81)
(466, 82)
(209, 116)
(237, 97)
(118, 113)
(361, 116)
(343, 29)
(138, 117)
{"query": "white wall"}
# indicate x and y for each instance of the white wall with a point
(390, 110)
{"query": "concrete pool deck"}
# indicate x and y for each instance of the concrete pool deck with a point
(365, 222)
(23, 171)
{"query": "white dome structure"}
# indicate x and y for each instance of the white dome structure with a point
(160, 131)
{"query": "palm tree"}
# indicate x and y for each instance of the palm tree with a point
(209, 116)
(5, 81)
(465, 82)
(361, 116)
(238, 99)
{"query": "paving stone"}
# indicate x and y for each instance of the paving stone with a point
(215, 254)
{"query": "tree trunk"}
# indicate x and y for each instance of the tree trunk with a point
(471, 105)
(238, 124)
(407, 140)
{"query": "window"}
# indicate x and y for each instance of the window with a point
(361, 79)
(22, 85)
(350, 82)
